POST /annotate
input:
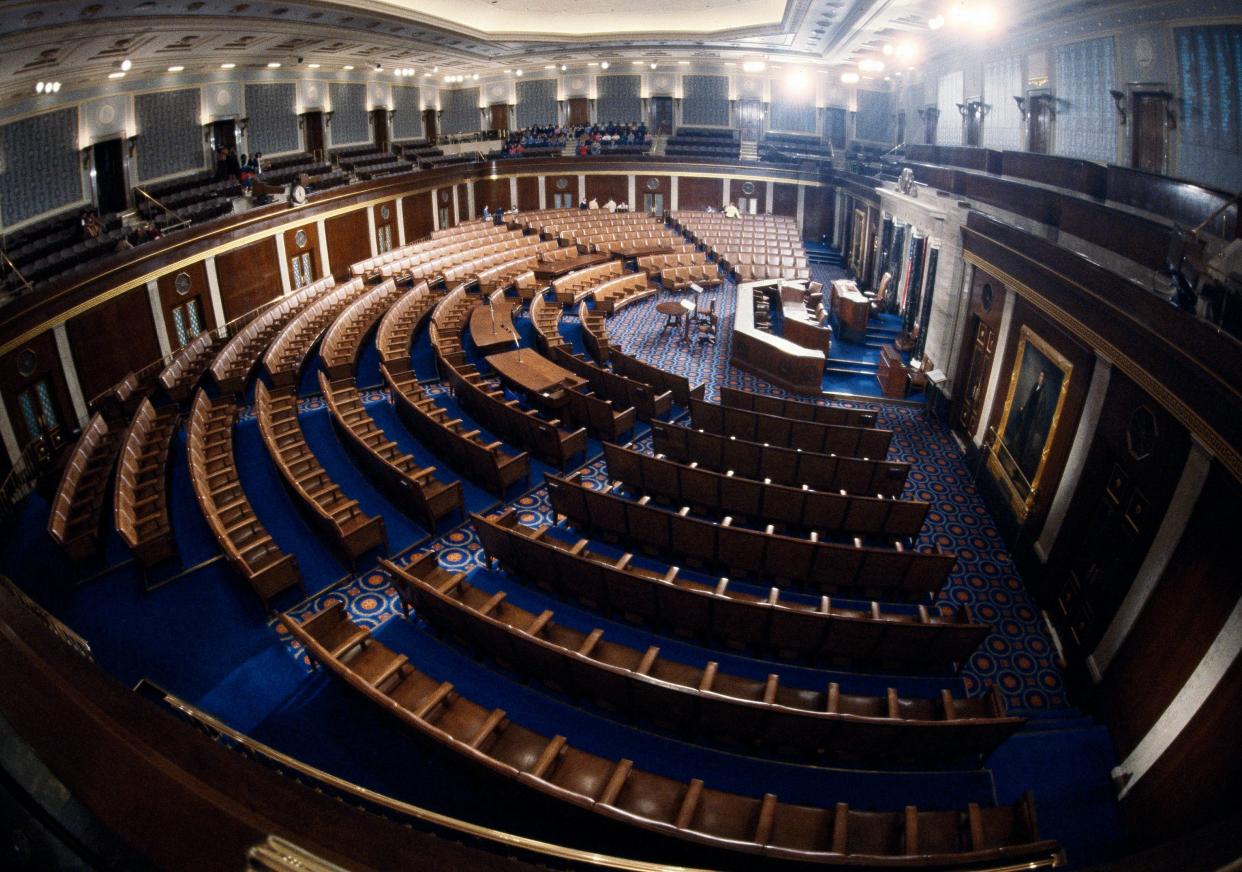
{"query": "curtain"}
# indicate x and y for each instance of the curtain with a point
(408, 122)
(536, 103)
(618, 99)
(460, 111)
(170, 136)
(273, 118)
(1209, 62)
(349, 114)
(1002, 126)
(875, 116)
(949, 122)
(705, 101)
(1086, 117)
(793, 109)
(39, 165)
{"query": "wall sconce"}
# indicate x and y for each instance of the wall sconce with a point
(1119, 100)
(1021, 101)
(929, 113)
(243, 123)
(961, 107)
(132, 143)
(327, 118)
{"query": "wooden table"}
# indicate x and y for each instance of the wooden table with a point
(528, 370)
(641, 251)
(557, 268)
(677, 314)
(491, 327)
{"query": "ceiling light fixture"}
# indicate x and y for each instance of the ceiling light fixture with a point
(564, 67)
(176, 69)
(683, 63)
(55, 87)
(39, 88)
(849, 78)
(274, 65)
(603, 65)
(888, 48)
(116, 75)
(312, 66)
(517, 72)
(754, 67)
(347, 67)
(653, 66)
(936, 23)
(871, 65)
(637, 63)
(227, 66)
(126, 65)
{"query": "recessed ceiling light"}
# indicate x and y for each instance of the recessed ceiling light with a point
(683, 63)
(603, 65)
(564, 68)
(227, 66)
(653, 66)
(126, 65)
(593, 64)
(476, 77)
(549, 66)
(871, 65)
(347, 67)
(55, 87)
(117, 75)
(274, 65)
(517, 73)
(426, 75)
(39, 88)
(754, 67)
(435, 69)
(888, 48)
(176, 69)
(507, 72)
(312, 66)
(849, 78)
(637, 63)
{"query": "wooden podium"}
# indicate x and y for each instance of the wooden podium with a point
(851, 309)
(891, 373)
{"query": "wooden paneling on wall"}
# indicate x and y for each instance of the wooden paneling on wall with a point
(552, 187)
(785, 200)
(695, 193)
(377, 213)
(416, 212)
(46, 364)
(348, 241)
(170, 298)
(603, 187)
(528, 193)
(100, 360)
(310, 243)
(249, 277)
(493, 193)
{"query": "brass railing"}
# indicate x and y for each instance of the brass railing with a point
(392, 808)
(23, 476)
(179, 221)
(25, 282)
(53, 623)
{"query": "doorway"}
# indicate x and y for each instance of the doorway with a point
(662, 116)
(750, 119)
(1149, 110)
(653, 204)
(313, 124)
(108, 172)
(976, 378)
(379, 126)
(563, 201)
(930, 115)
(224, 135)
(429, 125)
(1039, 124)
(974, 122)
(579, 111)
(500, 118)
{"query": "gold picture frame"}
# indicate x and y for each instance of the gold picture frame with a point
(1030, 420)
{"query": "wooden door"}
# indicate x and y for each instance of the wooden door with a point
(981, 354)
(901, 127)
(429, 125)
(1039, 124)
(313, 122)
(500, 118)
(579, 111)
(930, 117)
(974, 125)
(834, 123)
(750, 119)
(224, 135)
(662, 115)
(379, 127)
(108, 174)
(1147, 136)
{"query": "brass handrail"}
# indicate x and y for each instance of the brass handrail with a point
(498, 837)
(26, 283)
(181, 222)
(53, 623)
(365, 796)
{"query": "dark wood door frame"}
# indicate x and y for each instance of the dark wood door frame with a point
(1040, 117)
(1149, 126)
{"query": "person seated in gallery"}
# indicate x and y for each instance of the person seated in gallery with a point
(611, 205)
(731, 211)
(487, 213)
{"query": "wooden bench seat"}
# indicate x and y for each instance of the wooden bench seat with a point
(823, 567)
(342, 343)
(140, 500)
(287, 354)
(799, 410)
(246, 544)
(623, 391)
(413, 487)
(930, 637)
(180, 377)
(354, 532)
(791, 433)
(789, 507)
(702, 699)
(75, 520)
(788, 466)
(739, 825)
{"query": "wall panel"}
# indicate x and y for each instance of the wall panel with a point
(195, 285)
(416, 213)
(603, 187)
(695, 193)
(272, 110)
(100, 360)
(349, 241)
(349, 124)
(493, 193)
(39, 165)
(170, 139)
(249, 277)
(528, 193)
(785, 200)
(40, 352)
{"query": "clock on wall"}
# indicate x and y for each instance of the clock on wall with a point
(182, 283)
(562, 183)
(1142, 433)
(27, 362)
(748, 188)
(986, 298)
(299, 238)
(653, 184)
(385, 211)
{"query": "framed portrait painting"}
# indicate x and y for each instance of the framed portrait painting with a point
(1028, 426)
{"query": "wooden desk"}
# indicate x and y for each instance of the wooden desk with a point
(677, 314)
(641, 251)
(775, 358)
(491, 327)
(533, 373)
(851, 309)
(891, 373)
(545, 270)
